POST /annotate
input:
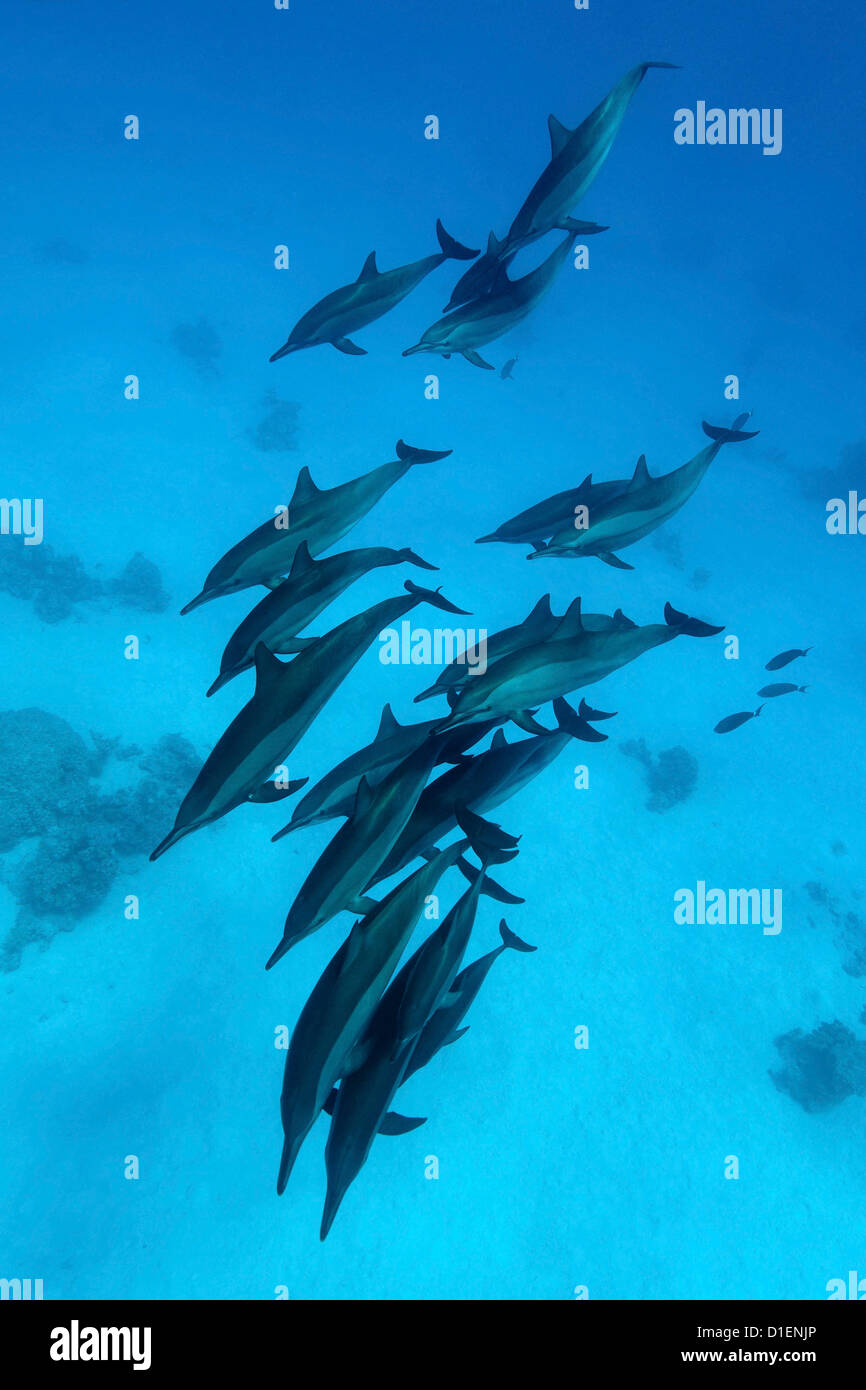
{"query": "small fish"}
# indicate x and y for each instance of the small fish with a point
(785, 657)
(505, 374)
(733, 721)
(782, 688)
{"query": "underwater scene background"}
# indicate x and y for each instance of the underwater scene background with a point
(703, 1137)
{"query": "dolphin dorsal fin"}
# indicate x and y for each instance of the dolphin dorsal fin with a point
(621, 623)
(388, 725)
(305, 489)
(363, 799)
(559, 135)
(641, 475)
(499, 740)
(540, 613)
(369, 270)
(268, 668)
(587, 482)
(572, 623)
(493, 244)
(302, 562)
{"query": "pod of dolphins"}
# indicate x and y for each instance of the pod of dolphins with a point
(370, 1023)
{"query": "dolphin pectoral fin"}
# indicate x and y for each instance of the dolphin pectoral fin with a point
(351, 349)
(477, 360)
(271, 791)
(610, 559)
(524, 720)
(394, 1123)
(361, 905)
(578, 228)
(456, 1035)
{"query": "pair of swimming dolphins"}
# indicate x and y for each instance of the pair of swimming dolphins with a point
(369, 1036)
(614, 514)
(486, 303)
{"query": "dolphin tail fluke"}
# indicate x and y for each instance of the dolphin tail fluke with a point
(489, 887)
(412, 559)
(434, 596)
(406, 453)
(721, 435)
(690, 627)
(512, 940)
(570, 722)
(453, 250)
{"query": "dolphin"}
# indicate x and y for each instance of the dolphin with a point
(287, 698)
(362, 1101)
(645, 504)
(482, 782)
(574, 657)
(374, 292)
(327, 1039)
(506, 371)
(482, 320)
(443, 1026)
(538, 523)
(319, 516)
(575, 158)
(339, 876)
(334, 795)
(285, 611)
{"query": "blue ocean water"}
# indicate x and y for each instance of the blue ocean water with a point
(605, 1168)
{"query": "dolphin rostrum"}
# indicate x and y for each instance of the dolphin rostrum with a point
(482, 320)
(326, 1042)
(575, 158)
(643, 505)
(318, 515)
(287, 698)
(285, 611)
(574, 657)
(352, 307)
